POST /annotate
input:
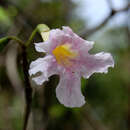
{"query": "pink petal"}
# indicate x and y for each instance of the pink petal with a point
(68, 30)
(39, 80)
(96, 63)
(78, 42)
(44, 65)
(42, 46)
(86, 46)
(58, 37)
(68, 90)
(36, 66)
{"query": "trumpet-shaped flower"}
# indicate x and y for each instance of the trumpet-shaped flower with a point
(67, 56)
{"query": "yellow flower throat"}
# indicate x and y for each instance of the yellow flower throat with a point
(64, 54)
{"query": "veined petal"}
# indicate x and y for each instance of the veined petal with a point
(81, 43)
(42, 46)
(86, 46)
(68, 90)
(99, 63)
(78, 42)
(68, 30)
(36, 66)
(58, 37)
(39, 80)
(44, 65)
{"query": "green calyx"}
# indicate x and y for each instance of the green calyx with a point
(42, 28)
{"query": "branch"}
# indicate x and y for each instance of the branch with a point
(28, 89)
(15, 30)
(111, 14)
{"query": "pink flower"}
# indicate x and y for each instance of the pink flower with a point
(67, 56)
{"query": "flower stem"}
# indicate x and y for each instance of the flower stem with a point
(41, 28)
(20, 42)
(5, 40)
(31, 37)
(27, 89)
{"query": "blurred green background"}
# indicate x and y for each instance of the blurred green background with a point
(107, 106)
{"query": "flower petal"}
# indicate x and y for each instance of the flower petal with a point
(86, 46)
(68, 30)
(58, 37)
(42, 46)
(43, 65)
(36, 66)
(81, 43)
(68, 91)
(96, 63)
(39, 80)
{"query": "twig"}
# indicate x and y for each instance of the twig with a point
(111, 14)
(28, 89)
(31, 37)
